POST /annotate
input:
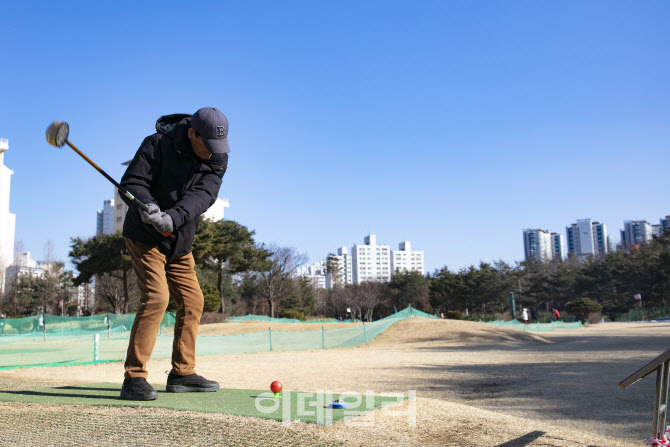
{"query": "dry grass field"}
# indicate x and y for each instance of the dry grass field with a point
(475, 385)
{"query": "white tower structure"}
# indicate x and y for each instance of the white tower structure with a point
(537, 244)
(407, 260)
(371, 262)
(7, 219)
(587, 238)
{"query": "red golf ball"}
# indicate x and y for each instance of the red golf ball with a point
(276, 387)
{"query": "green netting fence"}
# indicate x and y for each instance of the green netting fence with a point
(535, 327)
(285, 320)
(95, 343)
(646, 314)
(53, 327)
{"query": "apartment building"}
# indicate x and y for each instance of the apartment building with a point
(537, 244)
(342, 266)
(371, 262)
(316, 273)
(105, 218)
(635, 232)
(407, 260)
(586, 238)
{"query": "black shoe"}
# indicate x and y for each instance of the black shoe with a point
(137, 389)
(189, 384)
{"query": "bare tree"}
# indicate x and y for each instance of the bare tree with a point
(362, 298)
(338, 300)
(115, 291)
(273, 282)
(321, 298)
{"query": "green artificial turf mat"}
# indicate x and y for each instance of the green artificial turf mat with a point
(294, 405)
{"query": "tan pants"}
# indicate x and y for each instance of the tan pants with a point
(159, 279)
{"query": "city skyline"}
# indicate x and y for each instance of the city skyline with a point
(544, 245)
(368, 261)
(453, 125)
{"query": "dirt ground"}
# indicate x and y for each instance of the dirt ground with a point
(475, 384)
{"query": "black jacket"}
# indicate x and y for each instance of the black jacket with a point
(166, 171)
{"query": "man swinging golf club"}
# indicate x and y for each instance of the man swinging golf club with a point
(177, 173)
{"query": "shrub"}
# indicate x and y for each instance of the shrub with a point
(20, 325)
(293, 314)
(582, 307)
(211, 295)
(454, 315)
(211, 318)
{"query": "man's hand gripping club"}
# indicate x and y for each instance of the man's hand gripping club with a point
(160, 220)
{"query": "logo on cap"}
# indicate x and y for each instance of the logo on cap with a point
(221, 130)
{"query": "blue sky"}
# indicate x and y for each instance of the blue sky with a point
(450, 124)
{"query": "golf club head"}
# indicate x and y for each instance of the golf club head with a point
(57, 133)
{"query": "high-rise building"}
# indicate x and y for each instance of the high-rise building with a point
(24, 265)
(342, 269)
(371, 262)
(120, 210)
(537, 244)
(635, 232)
(106, 218)
(586, 238)
(316, 273)
(599, 238)
(665, 223)
(7, 219)
(557, 246)
(656, 230)
(407, 260)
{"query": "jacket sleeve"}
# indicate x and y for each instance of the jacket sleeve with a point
(141, 172)
(202, 194)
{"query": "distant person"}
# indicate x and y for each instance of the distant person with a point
(533, 315)
(525, 316)
(442, 315)
(35, 324)
(557, 314)
(40, 323)
(2, 323)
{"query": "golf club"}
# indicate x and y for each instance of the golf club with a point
(57, 134)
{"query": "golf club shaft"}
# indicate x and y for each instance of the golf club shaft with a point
(135, 200)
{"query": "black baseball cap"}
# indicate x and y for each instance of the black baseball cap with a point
(212, 125)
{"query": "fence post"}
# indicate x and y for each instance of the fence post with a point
(107, 325)
(365, 336)
(323, 338)
(44, 326)
(96, 341)
(270, 331)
